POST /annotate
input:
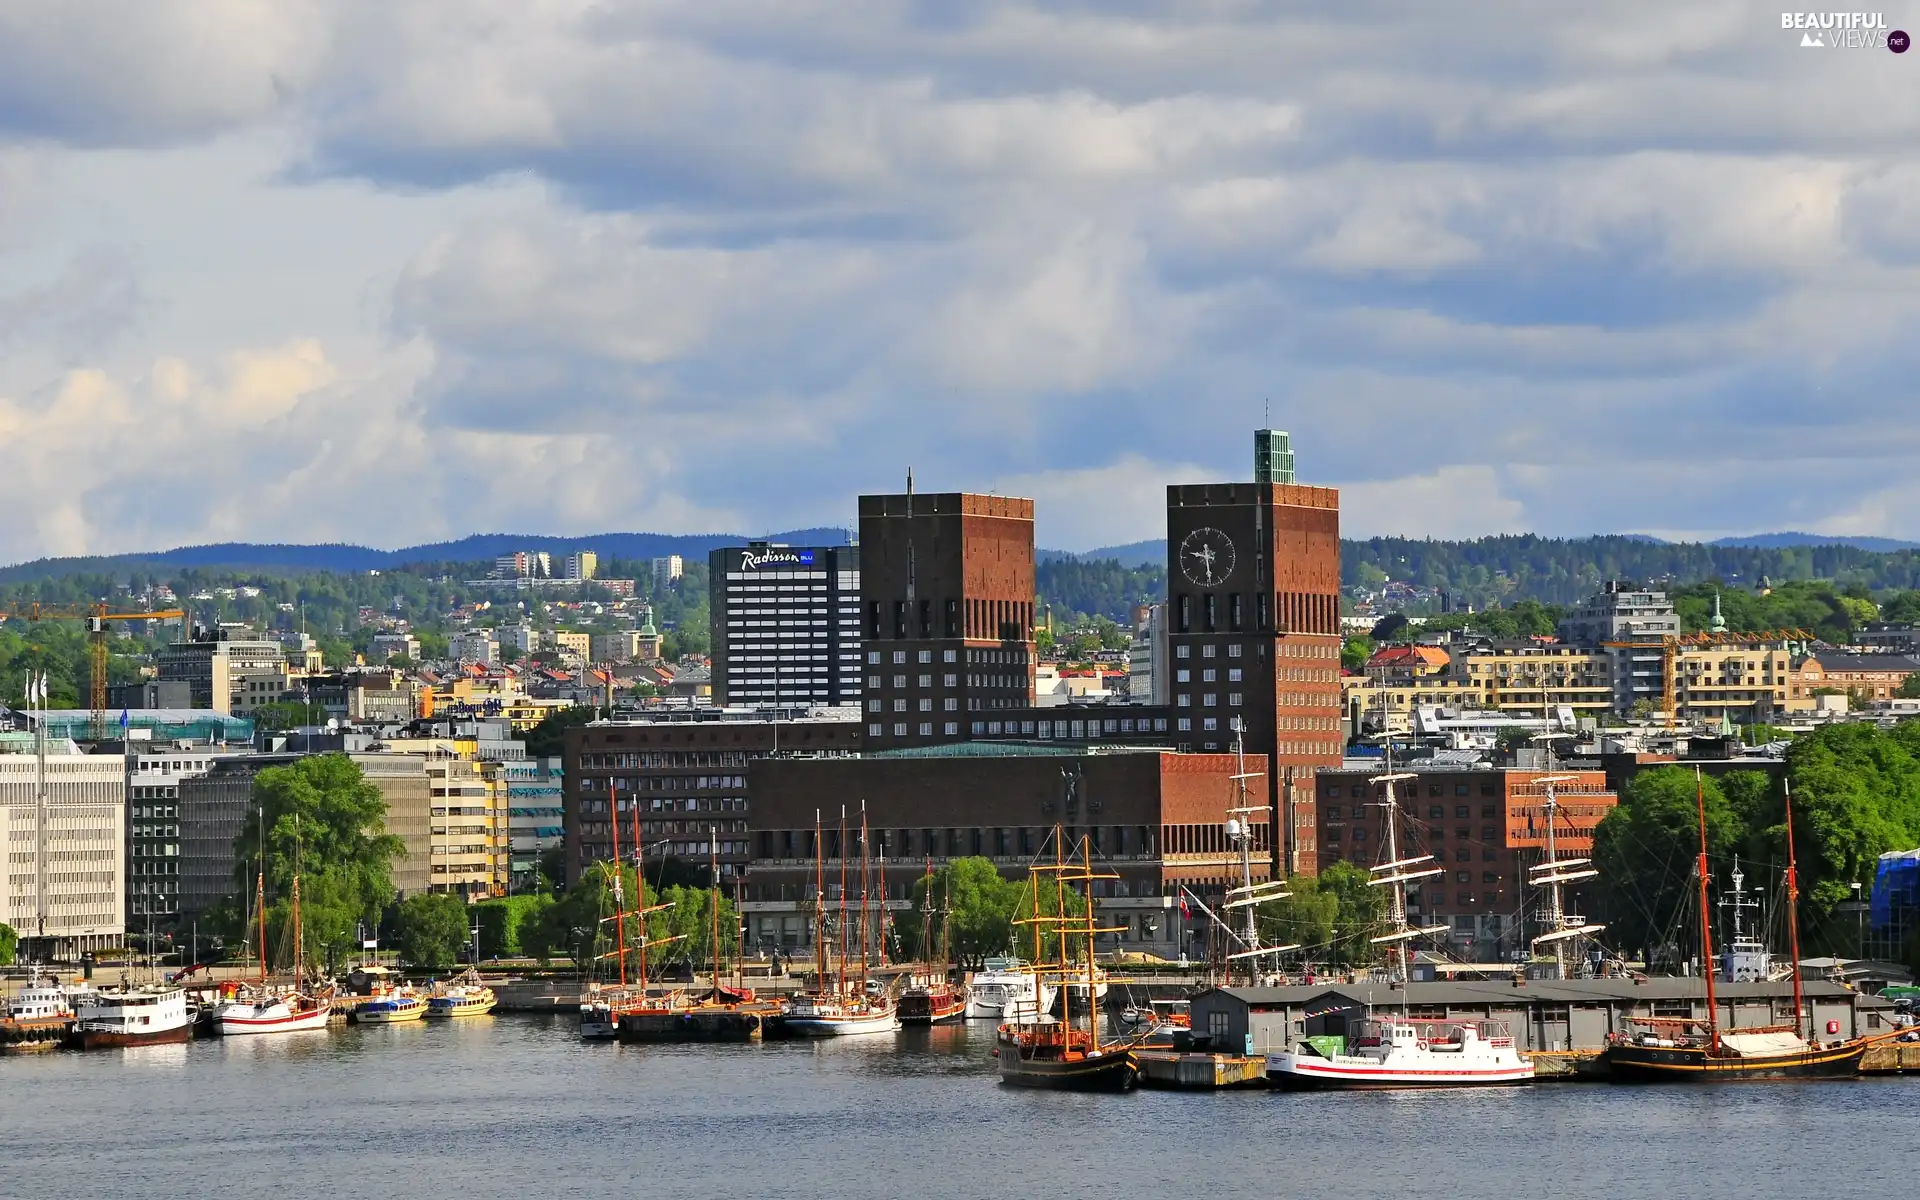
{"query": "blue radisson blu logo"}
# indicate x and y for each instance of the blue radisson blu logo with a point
(753, 560)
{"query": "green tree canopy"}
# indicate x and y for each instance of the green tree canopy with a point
(324, 820)
(1645, 850)
(9, 942)
(431, 928)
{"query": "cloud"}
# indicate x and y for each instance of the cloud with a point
(709, 264)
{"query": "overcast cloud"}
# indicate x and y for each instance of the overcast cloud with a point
(284, 270)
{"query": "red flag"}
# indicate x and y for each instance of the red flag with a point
(1185, 912)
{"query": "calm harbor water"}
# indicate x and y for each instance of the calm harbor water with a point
(516, 1107)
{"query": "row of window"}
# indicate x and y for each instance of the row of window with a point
(947, 729)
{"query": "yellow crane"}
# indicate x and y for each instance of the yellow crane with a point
(96, 616)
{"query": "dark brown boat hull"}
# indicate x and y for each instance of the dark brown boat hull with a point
(1685, 1064)
(1111, 1072)
(97, 1039)
(693, 1025)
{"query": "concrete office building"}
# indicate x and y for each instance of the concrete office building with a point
(786, 625)
(946, 585)
(1147, 666)
(78, 886)
(1253, 609)
(687, 769)
(1620, 612)
(226, 675)
(536, 815)
(404, 785)
(154, 847)
(1154, 817)
(214, 807)
(477, 646)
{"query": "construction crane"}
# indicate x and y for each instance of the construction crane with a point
(96, 616)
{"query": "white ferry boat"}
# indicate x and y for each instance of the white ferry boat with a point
(1006, 989)
(133, 1016)
(1399, 1053)
(39, 1018)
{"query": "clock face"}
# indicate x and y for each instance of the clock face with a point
(1206, 557)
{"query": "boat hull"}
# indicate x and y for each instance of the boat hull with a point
(105, 1039)
(692, 1025)
(365, 1015)
(1111, 1072)
(465, 1008)
(811, 1027)
(924, 1009)
(236, 1021)
(1302, 1072)
(29, 1035)
(1686, 1064)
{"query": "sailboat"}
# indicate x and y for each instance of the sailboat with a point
(1400, 1052)
(602, 1012)
(1059, 1054)
(722, 1015)
(842, 1011)
(263, 1010)
(1682, 1050)
(936, 999)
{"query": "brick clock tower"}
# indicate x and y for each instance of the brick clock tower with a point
(1253, 618)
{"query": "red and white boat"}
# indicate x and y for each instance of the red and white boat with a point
(1398, 1053)
(262, 1012)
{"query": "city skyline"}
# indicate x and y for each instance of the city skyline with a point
(343, 275)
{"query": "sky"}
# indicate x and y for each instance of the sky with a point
(292, 271)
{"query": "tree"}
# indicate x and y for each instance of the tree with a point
(549, 737)
(288, 714)
(1359, 913)
(1909, 688)
(982, 904)
(326, 823)
(431, 928)
(9, 942)
(1389, 627)
(1307, 917)
(1355, 651)
(1645, 850)
(504, 920)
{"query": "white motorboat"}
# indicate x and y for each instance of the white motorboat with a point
(1400, 1053)
(1006, 989)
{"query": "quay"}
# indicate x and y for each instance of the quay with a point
(1198, 1071)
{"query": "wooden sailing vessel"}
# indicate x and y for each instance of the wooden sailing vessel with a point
(1059, 1054)
(844, 1006)
(936, 999)
(723, 1014)
(261, 1009)
(1667, 1050)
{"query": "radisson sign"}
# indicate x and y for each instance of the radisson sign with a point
(753, 560)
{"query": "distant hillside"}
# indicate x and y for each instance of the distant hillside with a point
(345, 558)
(1774, 541)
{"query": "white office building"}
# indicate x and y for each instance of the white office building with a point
(786, 625)
(71, 900)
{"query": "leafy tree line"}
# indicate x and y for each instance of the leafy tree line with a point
(1856, 795)
(1078, 589)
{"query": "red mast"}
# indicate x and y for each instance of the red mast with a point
(640, 892)
(1793, 917)
(819, 905)
(1706, 924)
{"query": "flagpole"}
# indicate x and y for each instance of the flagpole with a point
(40, 818)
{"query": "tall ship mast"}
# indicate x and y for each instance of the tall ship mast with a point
(1394, 874)
(934, 999)
(839, 1011)
(1562, 928)
(1060, 1054)
(261, 1009)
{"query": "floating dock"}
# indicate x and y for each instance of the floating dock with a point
(1892, 1058)
(1199, 1072)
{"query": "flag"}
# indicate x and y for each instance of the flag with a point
(123, 719)
(1185, 912)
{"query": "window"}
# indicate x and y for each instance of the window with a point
(1210, 724)
(926, 704)
(926, 681)
(1462, 811)
(1210, 700)
(1183, 700)
(873, 656)
(926, 729)
(1436, 812)
(1183, 651)
(1460, 789)
(1332, 811)
(1185, 724)
(1233, 649)
(900, 705)
(1463, 855)
(1209, 651)
(1359, 835)
(1331, 837)
(950, 680)
(900, 730)
(947, 656)
(1490, 856)
(1494, 876)
(1233, 699)
(873, 681)
(1209, 675)
(875, 730)
(899, 681)
(1489, 811)
(1464, 877)
(950, 704)
(1233, 675)
(1183, 675)
(873, 706)
(952, 727)
(899, 656)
